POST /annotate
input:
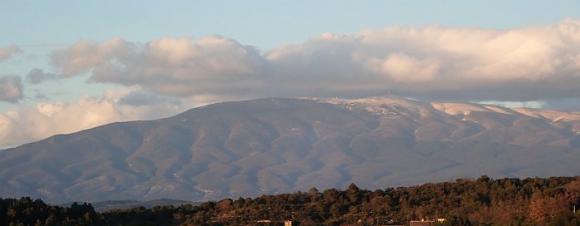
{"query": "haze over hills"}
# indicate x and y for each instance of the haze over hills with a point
(281, 145)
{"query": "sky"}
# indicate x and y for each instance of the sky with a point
(71, 65)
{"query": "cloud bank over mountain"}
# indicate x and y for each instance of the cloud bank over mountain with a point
(164, 76)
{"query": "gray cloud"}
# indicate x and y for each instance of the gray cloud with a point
(10, 89)
(36, 76)
(7, 52)
(523, 64)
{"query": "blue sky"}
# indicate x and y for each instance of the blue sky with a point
(113, 60)
(262, 23)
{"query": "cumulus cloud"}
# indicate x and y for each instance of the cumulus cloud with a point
(83, 56)
(520, 64)
(169, 66)
(7, 52)
(446, 63)
(10, 88)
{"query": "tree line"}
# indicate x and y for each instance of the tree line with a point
(482, 201)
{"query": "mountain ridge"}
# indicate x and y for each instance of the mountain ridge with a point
(275, 145)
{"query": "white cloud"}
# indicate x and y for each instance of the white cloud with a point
(432, 61)
(398, 67)
(7, 52)
(446, 62)
(10, 88)
(170, 66)
(83, 56)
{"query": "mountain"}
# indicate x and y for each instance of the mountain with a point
(280, 145)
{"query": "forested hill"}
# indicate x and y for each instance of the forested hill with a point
(484, 201)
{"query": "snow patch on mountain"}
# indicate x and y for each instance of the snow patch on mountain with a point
(555, 116)
(390, 106)
(467, 108)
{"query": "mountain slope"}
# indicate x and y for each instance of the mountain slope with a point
(279, 145)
